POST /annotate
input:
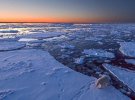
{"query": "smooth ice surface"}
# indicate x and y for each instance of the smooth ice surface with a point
(8, 31)
(10, 45)
(130, 61)
(43, 35)
(125, 75)
(98, 53)
(30, 40)
(27, 40)
(35, 75)
(128, 48)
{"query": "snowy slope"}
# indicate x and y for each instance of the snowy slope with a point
(35, 75)
(127, 76)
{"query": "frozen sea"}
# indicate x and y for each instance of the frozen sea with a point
(44, 61)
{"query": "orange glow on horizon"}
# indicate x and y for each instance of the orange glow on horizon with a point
(29, 17)
(51, 20)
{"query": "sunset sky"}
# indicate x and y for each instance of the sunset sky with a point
(79, 11)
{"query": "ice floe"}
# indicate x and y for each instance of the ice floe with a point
(4, 46)
(79, 60)
(130, 61)
(8, 31)
(98, 53)
(44, 35)
(93, 38)
(47, 80)
(66, 46)
(31, 41)
(125, 75)
(4, 93)
(27, 40)
(127, 48)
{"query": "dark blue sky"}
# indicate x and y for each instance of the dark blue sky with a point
(68, 10)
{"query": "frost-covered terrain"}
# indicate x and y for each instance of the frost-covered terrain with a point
(35, 74)
(63, 61)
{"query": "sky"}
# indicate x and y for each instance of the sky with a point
(76, 11)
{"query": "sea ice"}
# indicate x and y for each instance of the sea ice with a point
(98, 53)
(125, 75)
(49, 80)
(4, 46)
(130, 61)
(79, 60)
(128, 48)
(43, 35)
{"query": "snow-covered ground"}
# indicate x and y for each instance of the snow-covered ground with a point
(35, 74)
(125, 75)
(29, 71)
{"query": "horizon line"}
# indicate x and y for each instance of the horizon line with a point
(108, 22)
